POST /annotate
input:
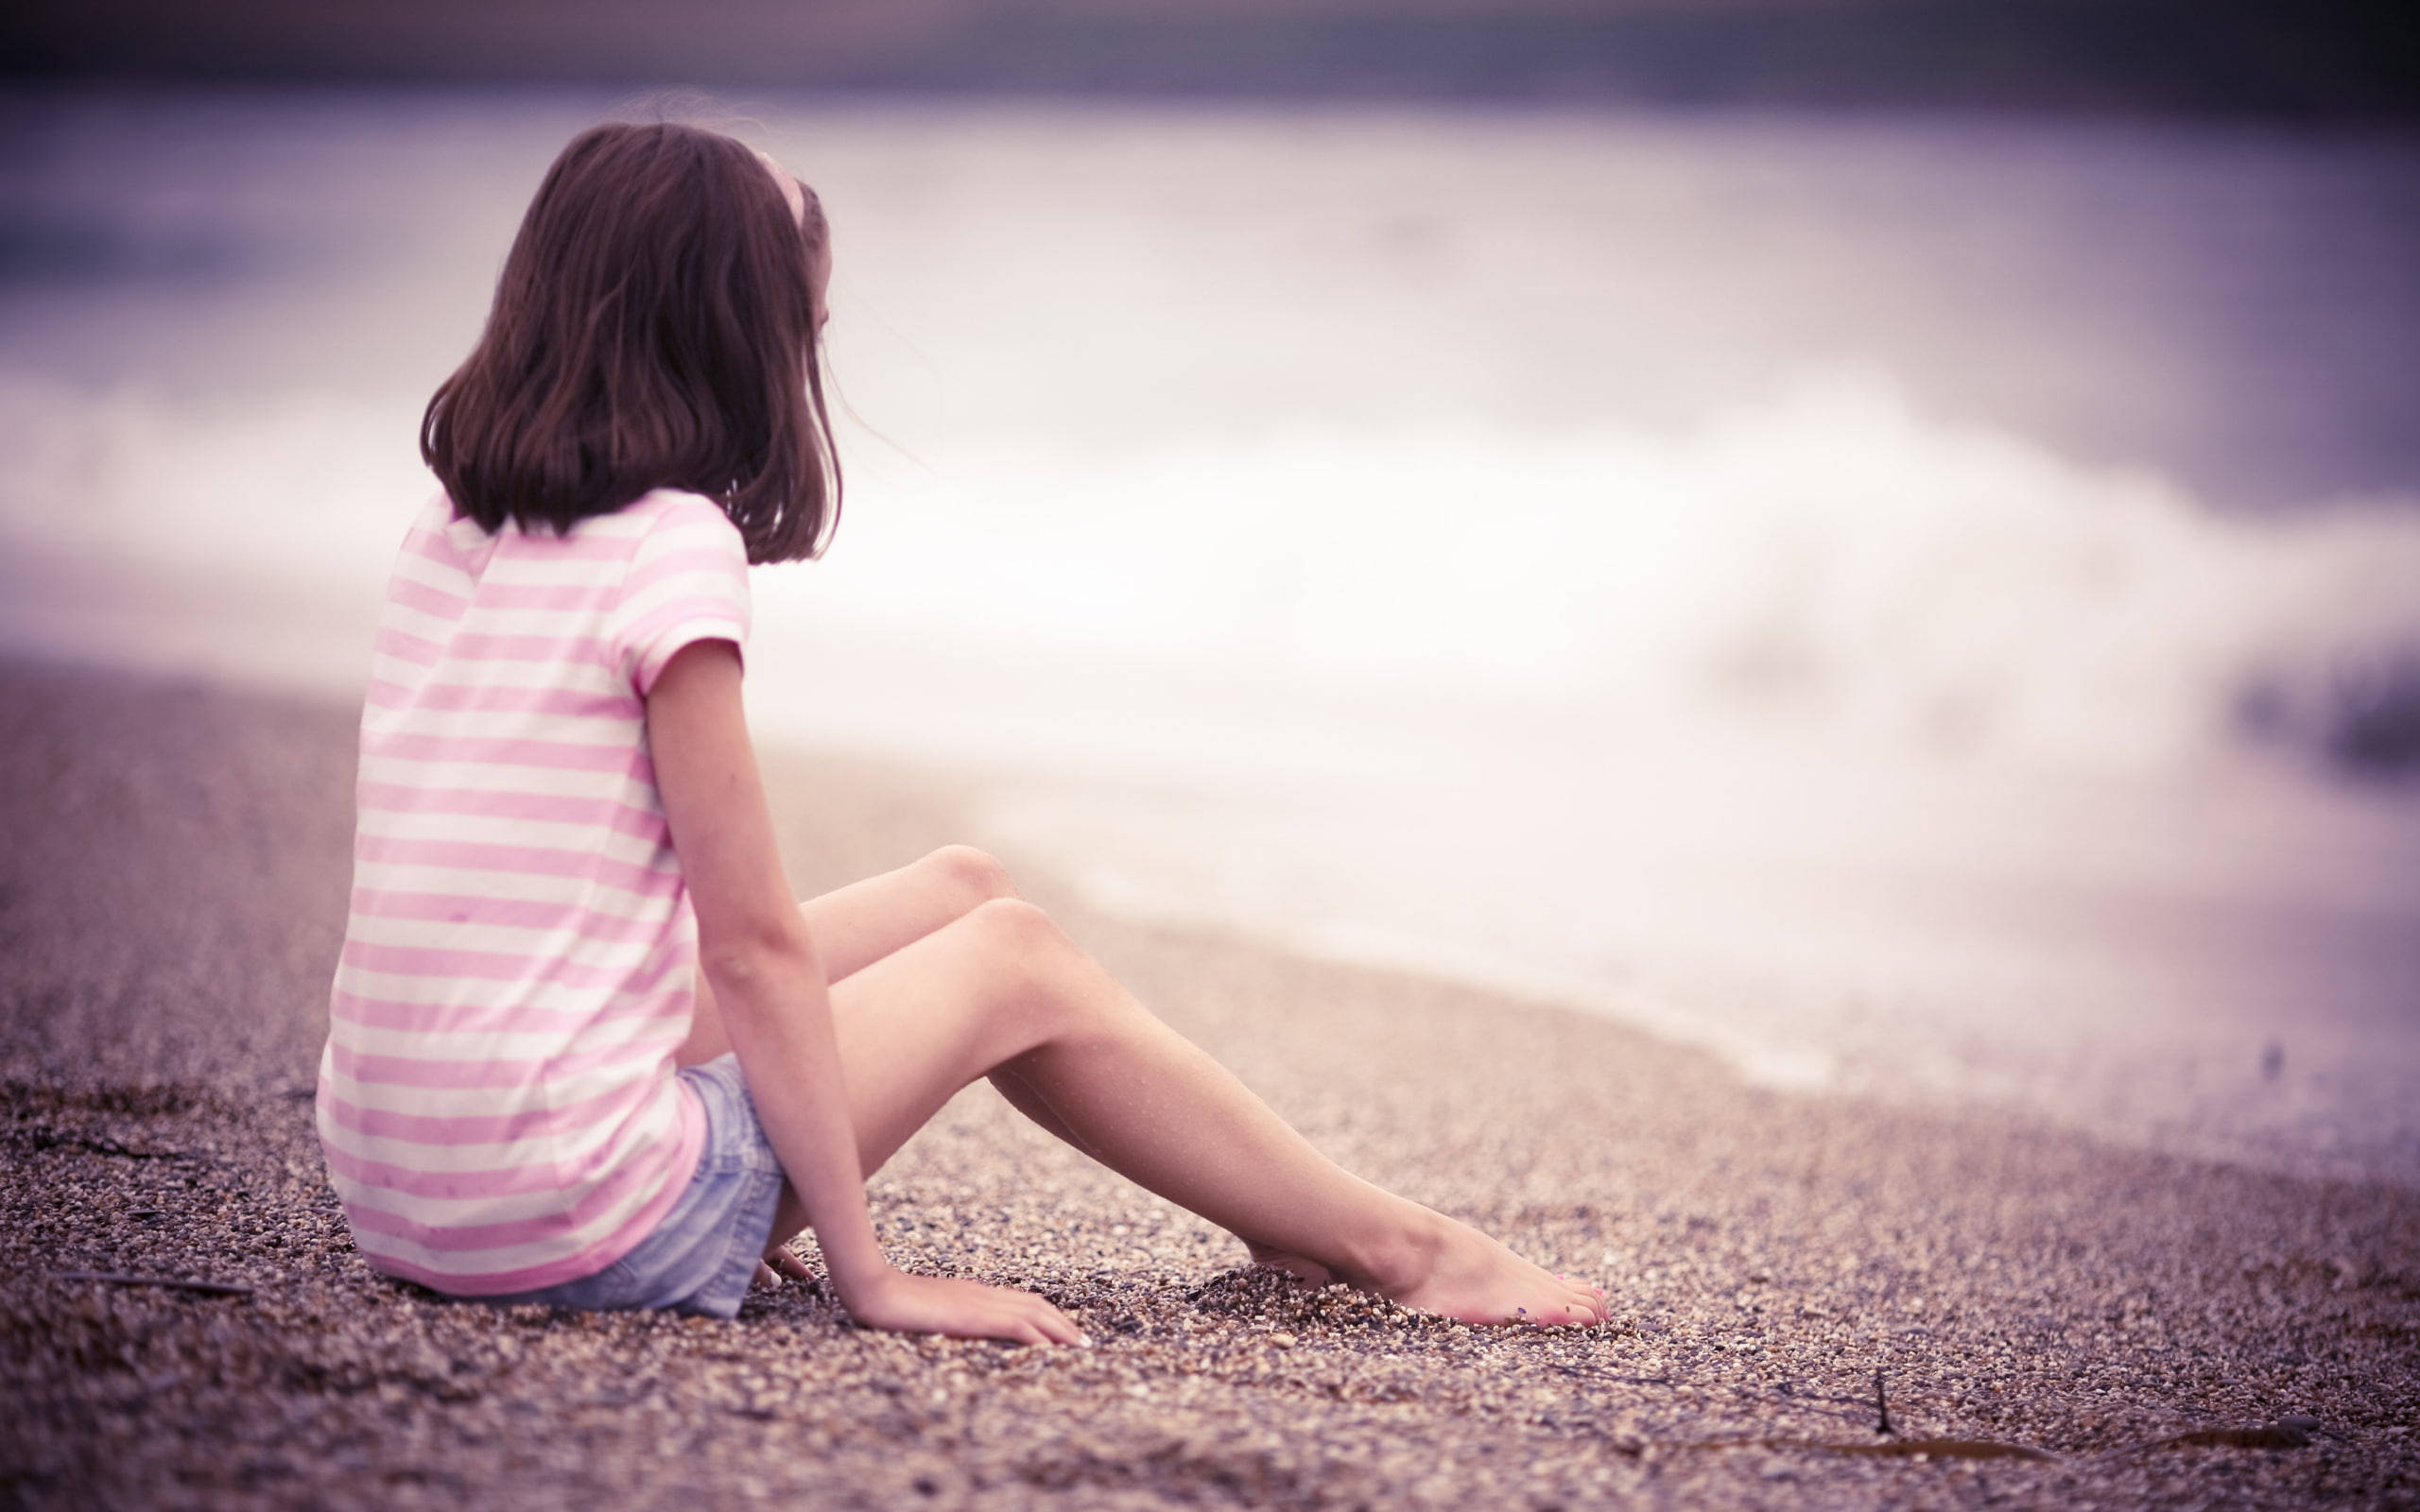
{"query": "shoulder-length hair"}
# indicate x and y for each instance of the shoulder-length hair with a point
(655, 326)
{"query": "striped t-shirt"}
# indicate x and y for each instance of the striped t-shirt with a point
(497, 1100)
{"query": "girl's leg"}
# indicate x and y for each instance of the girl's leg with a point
(860, 924)
(1001, 991)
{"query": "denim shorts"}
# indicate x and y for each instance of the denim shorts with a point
(704, 1254)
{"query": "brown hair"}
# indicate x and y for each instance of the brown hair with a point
(656, 326)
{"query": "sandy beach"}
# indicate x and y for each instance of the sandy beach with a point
(2048, 1320)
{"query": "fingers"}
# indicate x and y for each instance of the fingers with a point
(1058, 1327)
(778, 1264)
(1028, 1319)
(966, 1309)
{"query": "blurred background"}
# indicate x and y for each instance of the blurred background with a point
(1879, 537)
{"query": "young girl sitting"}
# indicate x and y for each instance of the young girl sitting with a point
(583, 1047)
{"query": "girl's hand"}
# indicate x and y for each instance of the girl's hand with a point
(781, 1263)
(969, 1310)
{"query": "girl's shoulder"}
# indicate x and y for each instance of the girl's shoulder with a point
(665, 520)
(681, 507)
(668, 512)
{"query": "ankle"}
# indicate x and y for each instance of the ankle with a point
(1399, 1252)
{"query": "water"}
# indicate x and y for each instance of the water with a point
(1920, 606)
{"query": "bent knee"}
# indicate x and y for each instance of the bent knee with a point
(1022, 947)
(976, 875)
(1047, 982)
(1015, 928)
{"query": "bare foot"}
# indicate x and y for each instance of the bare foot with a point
(1452, 1269)
(1298, 1266)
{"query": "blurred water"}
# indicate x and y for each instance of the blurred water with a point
(1919, 605)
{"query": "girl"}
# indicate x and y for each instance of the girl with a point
(583, 1048)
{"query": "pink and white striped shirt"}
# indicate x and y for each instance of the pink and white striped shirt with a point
(497, 1100)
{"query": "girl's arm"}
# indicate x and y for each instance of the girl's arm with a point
(755, 952)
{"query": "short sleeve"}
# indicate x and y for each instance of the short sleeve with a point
(687, 581)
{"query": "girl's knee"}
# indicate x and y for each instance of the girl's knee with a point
(1046, 982)
(1037, 968)
(1018, 936)
(974, 875)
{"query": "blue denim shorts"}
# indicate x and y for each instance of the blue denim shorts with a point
(704, 1254)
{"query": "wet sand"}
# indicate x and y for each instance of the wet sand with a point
(2054, 1321)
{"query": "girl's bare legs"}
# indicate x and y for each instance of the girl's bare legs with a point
(998, 989)
(864, 921)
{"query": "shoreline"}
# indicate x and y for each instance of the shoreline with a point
(175, 890)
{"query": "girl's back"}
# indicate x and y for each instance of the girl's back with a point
(496, 1098)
